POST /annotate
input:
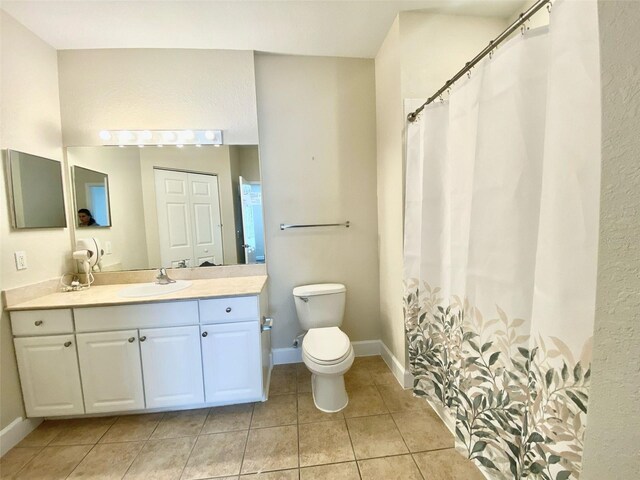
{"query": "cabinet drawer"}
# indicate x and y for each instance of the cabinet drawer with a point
(124, 317)
(41, 322)
(231, 309)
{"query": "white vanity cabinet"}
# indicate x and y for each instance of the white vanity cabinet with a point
(147, 356)
(172, 366)
(48, 368)
(111, 371)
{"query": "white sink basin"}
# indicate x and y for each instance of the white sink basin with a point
(151, 289)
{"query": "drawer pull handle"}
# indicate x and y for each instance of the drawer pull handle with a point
(143, 338)
(228, 310)
(204, 334)
(132, 339)
(39, 322)
(67, 344)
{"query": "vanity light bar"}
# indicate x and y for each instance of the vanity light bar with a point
(160, 138)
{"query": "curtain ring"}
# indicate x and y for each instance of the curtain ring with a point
(440, 98)
(549, 5)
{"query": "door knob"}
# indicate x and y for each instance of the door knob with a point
(38, 323)
(228, 310)
(143, 338)
(132, 339)
(67, 344)
(204, 334)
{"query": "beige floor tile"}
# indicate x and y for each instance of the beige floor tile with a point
(273, 448)
(161, 459)
(186, 423)
(132, 428)
(42, 436)
(278, 410)
(308, 413)
(15, 459)
(281, 475)
(324, 442)
(54, 463)
(337, 471)
(398, 399)
(446, 465)
(364, 401)
(216, 455)
(384, 377)
(423, 430)
(107, 461)
(375, 437)
(228, 418)
(82, 431)
(304, 378)
(373, 362)
(390, 468)
(283, 381)
(357, 376)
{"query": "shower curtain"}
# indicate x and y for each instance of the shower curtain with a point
(501, 232)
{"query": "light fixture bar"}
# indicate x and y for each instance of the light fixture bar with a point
(142, 138)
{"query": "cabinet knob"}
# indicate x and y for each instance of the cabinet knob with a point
(132, 339)
(39, 322)
(143, 338)
(67, 344)
(228, 310)
(204, 334)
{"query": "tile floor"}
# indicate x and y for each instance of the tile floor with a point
(384, 433)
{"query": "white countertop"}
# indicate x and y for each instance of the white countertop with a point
(104, 295)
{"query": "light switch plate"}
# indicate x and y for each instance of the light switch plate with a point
(107, 248)
(21, 260)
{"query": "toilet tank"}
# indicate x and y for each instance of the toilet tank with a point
(320, 305)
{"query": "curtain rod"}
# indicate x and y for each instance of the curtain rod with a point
(488, 49)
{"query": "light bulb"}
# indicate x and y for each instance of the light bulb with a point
(168, 136)
(209, 135)
(179, 145)
(189, 135)
(105, 135)
(146, 135)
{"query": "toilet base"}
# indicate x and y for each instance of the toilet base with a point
(329, 392)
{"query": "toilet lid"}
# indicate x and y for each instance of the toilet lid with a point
(328, 344)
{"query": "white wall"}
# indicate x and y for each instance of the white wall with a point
(612, 445)
(317, 152)
(30, 122)
(420, 53)
(157, 89)
(390, 125)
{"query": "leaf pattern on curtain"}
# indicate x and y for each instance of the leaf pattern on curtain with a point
(519, 403)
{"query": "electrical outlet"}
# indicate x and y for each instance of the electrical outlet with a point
(21, 260)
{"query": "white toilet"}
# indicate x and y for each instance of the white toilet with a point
(326, 350)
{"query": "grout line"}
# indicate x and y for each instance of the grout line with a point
(355, 459)
(144, 444)
(195, 442)
(246, 443)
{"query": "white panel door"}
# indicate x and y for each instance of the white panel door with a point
(206, 219)
(49, 375)
(172, 366)
(248, 228)
(111, 371)
(231, 362)
(174, 217)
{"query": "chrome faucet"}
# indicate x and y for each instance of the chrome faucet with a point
(163, 278)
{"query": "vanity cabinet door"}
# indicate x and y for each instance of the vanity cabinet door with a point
(49, 375)
(111, 371)
(231, 362)
(172, 366)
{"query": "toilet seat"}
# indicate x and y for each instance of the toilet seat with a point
(326, 346)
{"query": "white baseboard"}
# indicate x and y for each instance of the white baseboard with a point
(402, 374)
(283, 356)
(365, 348)
(13, 433)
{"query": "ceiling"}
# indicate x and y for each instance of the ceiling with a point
(353, 28)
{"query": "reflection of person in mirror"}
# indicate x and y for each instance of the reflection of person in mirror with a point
(85, 219)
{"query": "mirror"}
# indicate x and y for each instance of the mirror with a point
(91, 197)
(177, 206)
(36, 198)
